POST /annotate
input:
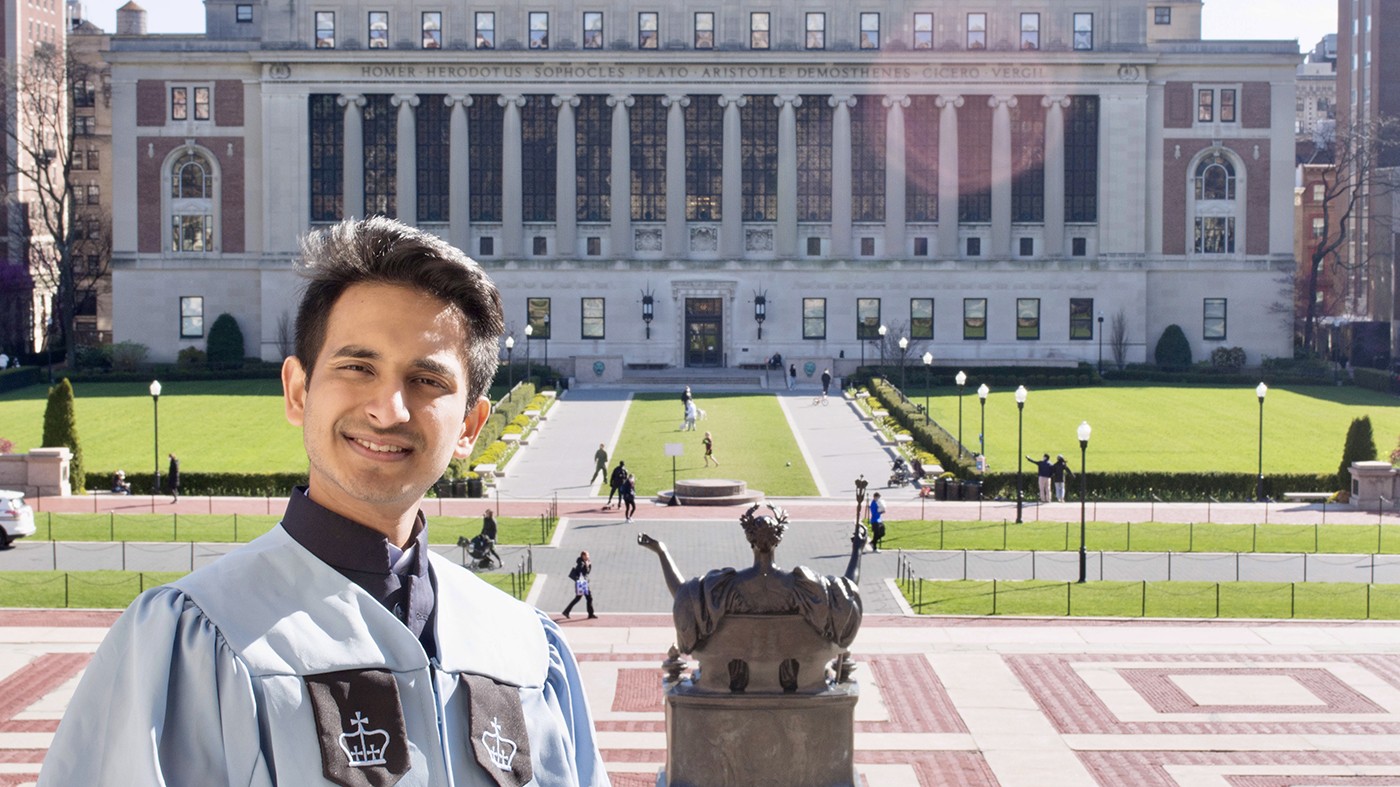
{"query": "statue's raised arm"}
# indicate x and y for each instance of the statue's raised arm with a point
(668, 564)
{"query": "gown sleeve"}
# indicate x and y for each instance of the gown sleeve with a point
(564, 692)
(164, 701)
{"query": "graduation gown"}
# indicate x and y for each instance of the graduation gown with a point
(269, 667)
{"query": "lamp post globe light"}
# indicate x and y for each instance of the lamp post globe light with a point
(961, 380)
(510, 368)
(982, 391)
(1083, 434)
(882, 330)
(1020, 454)
(928, 364)
(1259, 488)
(155, 411)
(529, 331)
(903, 346)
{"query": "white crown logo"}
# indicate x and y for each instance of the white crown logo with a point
(501, 750)
(364, 748)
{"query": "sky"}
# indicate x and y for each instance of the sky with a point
(1305, 20)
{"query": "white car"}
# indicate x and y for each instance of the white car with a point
(16, 518)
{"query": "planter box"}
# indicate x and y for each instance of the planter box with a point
(488, 469)
(510, 438)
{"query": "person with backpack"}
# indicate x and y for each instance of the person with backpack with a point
(619, 474)
(579, 574)
(629, 496)
(877, 522)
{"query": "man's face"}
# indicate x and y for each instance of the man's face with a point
(386, 405)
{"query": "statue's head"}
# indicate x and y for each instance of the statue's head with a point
(765, 531)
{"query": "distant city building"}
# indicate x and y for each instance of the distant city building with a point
(693, 185)
(91, 175)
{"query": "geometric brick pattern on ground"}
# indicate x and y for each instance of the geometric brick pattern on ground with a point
(1157, 686)
(1246, 769)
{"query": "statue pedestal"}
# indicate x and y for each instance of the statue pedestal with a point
(776, 740)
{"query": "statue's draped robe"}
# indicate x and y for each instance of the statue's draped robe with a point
(831, 605)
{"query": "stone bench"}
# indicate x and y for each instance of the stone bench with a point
(1309, 497)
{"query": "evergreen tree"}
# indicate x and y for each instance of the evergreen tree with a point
(225, 347)
(1360, 447)
(1173, 351)
(61, 429)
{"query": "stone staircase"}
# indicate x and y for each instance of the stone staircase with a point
(675, 379)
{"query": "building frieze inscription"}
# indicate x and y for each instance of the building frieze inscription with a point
(602, 72)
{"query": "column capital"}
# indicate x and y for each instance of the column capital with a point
(999, 101)
(794, 100)
(1054, 101)
(515, 99)
(625, 99)
(891, 101)
(464, 100)
(837, 101)
(945, 101)
(565, 98)
(675, 100)
(738, 100)
(345, 99)
(410, 99)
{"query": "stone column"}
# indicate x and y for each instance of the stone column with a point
(459, 181)
(786, 241)
(565, 178)
(894, 175)
(1054, 174)
(620, 193)
(512, 201)
(352, 181)
(731, 207)
(677, 238)
(1001, 174)
(948, 175)
(406, 171)
(841, 175)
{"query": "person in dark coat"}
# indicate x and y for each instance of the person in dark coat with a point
(619, 474)
(173, 478)
(1060, 472)
(579, 574)
(1045, 470)
(792, 376)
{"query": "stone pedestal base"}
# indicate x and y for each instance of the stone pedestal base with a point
(1373, 485)
(776, 740)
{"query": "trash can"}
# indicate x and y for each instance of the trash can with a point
(474, 487)
(972, 490)
(940, 488)
(459, 487)
(443, 488)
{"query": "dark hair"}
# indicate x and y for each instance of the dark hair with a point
(378, 250)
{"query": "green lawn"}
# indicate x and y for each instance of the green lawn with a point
(117, 589)
(245, 527)
(751, 436)
(1315, 600)
(917, 534)
(1161, 428)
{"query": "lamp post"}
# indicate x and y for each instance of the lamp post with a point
(882, 330)
(529, 331)
(961, 380)
(649, 311)
(760, 311)
(982, 391)
(1259, 489)
(1100, 343)
(1083, 433)
(155, 410)
(510, 367)
(903, 346)
(1020, 454)
(928, 364)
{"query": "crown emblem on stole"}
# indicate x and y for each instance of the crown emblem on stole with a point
(365, 748)
(500, 749)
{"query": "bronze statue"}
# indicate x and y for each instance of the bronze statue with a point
(830, 605)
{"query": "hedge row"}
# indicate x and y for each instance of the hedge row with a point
(1168, 487)
(1374, 379)
(927, 436)
(502, 412)
(995, 376)
(208, 484)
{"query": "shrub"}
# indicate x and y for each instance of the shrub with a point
(126, 356)
(1173, 350)
(97, 357)
(191, 356)
(61, 429)
(1360, 447)
(1229, 358)
(6, 446)
(225, 342)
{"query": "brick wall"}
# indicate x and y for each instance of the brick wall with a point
(150, 102)
(1180, 107)
(228, 102)
(1258, 100)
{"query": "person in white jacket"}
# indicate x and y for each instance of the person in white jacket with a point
(337, 649)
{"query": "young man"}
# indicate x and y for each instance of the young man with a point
(600, 463)
(337, 649)
(1045, 470)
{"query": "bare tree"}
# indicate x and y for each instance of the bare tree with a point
(67, 253)
(1360, 152)
(1118, 339)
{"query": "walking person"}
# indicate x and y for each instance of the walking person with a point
(172, 477)
(619, 474)
(792, 376)
(877, 522)
(826, 382)
(1045, 471)
(579, 574)
(691, 414)
(629, 496)
(1060, 474)
(710, 451)
(685, 401)
(600, 463)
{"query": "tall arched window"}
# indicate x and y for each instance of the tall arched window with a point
(191, 203)
(1215, 204)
